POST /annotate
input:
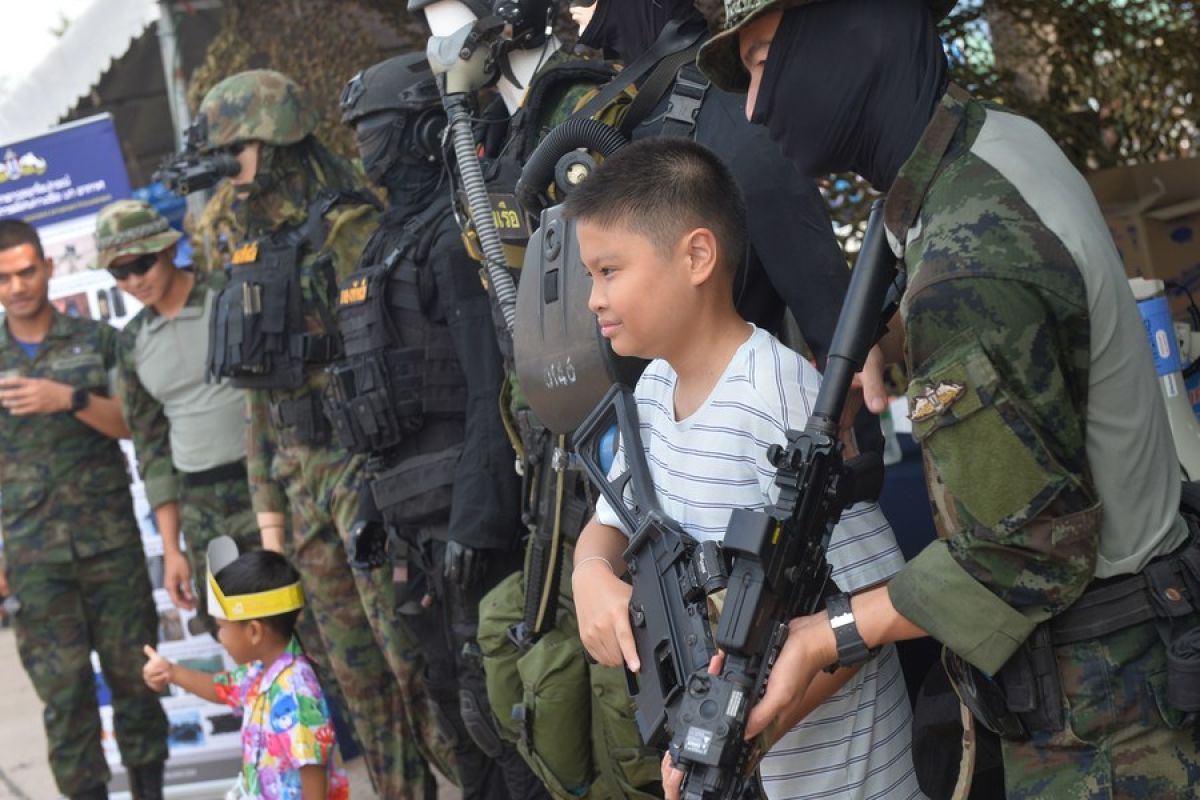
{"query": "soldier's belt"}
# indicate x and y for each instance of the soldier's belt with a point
(233, 471)
(1168, 588)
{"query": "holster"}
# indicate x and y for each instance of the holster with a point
(300, 421)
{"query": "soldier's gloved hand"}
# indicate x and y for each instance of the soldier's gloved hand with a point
(463, 565)
(157, 671)
(177, 580)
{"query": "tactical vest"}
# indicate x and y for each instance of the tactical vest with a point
(399, 393)
(258, 337)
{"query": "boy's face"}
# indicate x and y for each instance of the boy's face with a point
(238, 640)
(637, 290)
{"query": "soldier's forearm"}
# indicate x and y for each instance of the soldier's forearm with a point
(167, 517)
(104, 415)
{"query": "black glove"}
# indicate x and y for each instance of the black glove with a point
(463, 565)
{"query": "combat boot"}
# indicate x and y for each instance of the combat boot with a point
(95, 793)
(146, 781)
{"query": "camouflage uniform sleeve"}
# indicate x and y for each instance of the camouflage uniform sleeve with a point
(149, 428)
(996, 403)
(266, 495)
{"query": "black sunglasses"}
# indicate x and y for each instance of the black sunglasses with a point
(139, 266)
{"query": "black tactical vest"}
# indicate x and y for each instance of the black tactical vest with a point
(257, 335)
(399, 393)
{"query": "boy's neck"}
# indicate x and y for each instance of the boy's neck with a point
(703, 355)
(271, 651)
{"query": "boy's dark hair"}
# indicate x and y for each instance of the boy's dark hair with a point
(261, 571)
(662, 188)
(16, 232)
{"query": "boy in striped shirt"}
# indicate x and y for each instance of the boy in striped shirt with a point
(662, 230)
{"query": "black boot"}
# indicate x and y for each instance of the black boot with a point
(146, 781)
(95, 793)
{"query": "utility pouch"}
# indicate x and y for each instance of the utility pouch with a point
(1031, 685)
(300, 421)
(1183, 672)
(419, 489)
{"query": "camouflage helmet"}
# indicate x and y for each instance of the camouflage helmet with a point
(257, 105)
(721, 60)
(131, 228)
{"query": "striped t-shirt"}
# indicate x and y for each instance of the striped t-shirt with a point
(857, 744)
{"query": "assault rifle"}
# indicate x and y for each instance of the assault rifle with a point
(196, 168)
(772, 562)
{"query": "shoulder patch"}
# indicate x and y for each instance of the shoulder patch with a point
(936, 400)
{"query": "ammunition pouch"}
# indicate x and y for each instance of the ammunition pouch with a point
(1026, 696)
(418, 490)
(300, 421)
(257, 336)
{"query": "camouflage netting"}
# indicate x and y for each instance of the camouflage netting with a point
(318, 43)
(1113, 81)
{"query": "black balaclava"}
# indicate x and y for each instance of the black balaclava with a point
(401, 166)
(850, 85)
(627, 28)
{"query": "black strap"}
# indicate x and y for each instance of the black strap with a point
(687, 97)
(671, 41)
(652, 91)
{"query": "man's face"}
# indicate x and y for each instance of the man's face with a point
(634, 286)
(24, 282)
(247, 156)
(754, 40)
(151, 286)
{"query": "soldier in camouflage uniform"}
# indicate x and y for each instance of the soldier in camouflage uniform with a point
(74, 552)
(305, 223)
(190, 435)
(1064, 567)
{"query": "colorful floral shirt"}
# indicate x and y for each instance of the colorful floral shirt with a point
(285, 726)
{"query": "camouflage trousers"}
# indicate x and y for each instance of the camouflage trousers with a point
(206, 512)
(1121, 740)
(102, 603)
(371, 655)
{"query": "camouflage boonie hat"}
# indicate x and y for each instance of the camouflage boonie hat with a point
(257, 105)
(131, 228)
(721, 59)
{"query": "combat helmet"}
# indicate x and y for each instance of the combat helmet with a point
(404, 84)
(131, 228)
(257, 105)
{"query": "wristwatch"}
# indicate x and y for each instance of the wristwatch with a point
(79, 400)
(851, 649)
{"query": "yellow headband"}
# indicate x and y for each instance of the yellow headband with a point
(242, 607)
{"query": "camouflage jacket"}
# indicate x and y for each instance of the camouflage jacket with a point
(1030, 368)
(349, 227)
(177, 419)
(65, 485)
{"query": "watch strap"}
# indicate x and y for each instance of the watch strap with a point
(851, 649)
(79, 400)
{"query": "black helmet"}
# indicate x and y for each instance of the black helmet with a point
(530, 19)
(404, 83)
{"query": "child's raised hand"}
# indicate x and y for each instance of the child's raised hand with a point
(156, 672)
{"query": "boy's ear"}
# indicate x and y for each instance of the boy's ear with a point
(255, 631)
(700, 247)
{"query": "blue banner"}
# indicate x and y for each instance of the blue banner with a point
(69, 172)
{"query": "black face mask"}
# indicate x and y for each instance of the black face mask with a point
(627, 28)
(864, 113)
